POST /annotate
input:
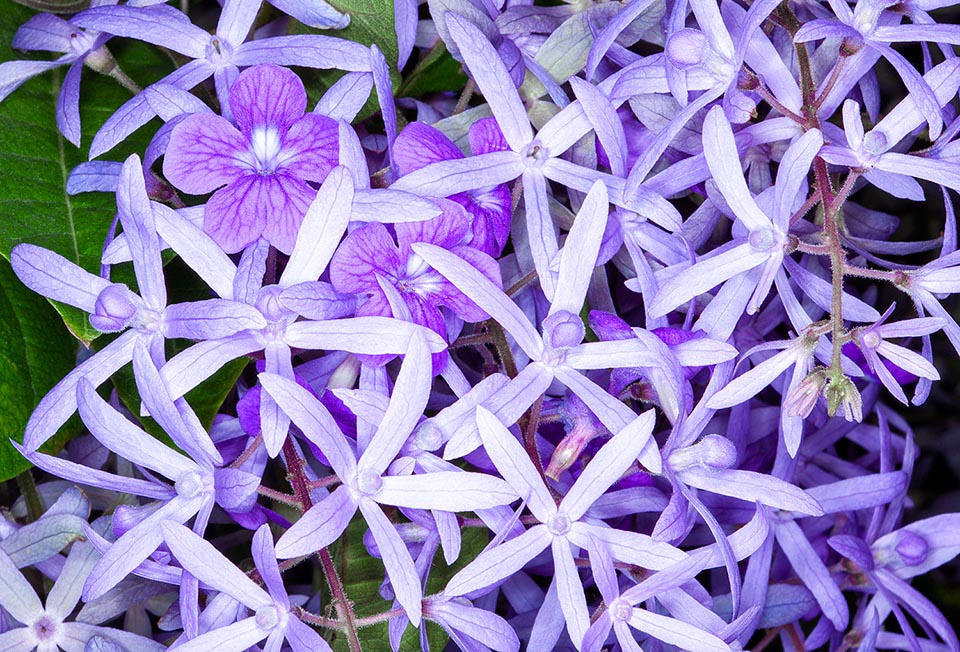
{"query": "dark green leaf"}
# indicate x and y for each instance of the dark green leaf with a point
(435, 73)
(56, 6)
(35, 353)
(371, 21)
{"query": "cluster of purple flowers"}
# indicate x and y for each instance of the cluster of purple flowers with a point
(621, 309)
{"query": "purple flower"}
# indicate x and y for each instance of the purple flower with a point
(273, 618)
(366, 486)
(368, 257)
(49, 627)
(420, 145)
(260, 169)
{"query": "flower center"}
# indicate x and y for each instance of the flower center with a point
(265, 147)
(535, 155)
(558, 524)
(686, 48)
(875, 142)
(621, 610)
(45, 628)
(871, 340)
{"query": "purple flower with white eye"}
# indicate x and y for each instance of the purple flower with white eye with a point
(420, 145)
(273, 618)
(368, 257)
(261, 168)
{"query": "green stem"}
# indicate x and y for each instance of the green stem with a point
(28, 489)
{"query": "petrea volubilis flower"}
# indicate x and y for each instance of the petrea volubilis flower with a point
(261, 167)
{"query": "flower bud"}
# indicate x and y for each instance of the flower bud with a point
(113, 309)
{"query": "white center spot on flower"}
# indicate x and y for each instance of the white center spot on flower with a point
(369, 482)
(762, 239)
(189, 484)
(871, 340)
(267, 617)
(535, 155)
(45, 628)
(265, 147)
(558, 524)
(621, 610)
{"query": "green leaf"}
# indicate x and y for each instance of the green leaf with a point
(371, 21)
(34, 206)
(435, 73)
(35, 353)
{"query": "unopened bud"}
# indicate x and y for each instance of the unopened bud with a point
(801, 401)
(840, 391)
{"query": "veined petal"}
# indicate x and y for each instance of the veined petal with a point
(514, 464)
(164, 27)
(236, 19)
(207, 564)
(320, 526)
(500, 562)
(446, 178)
(541, 231)
(310, 148)
(321, 230)
(410, 394)
(53, 276)
(746, 386)
(197, 249)
(450, 491)
(580, 251)
(676, 632)
(792, 175)
(131, 549)
(204, 153)
(268, 96)
(720, 150)
(396, 559)
(309, 50)
(812, 572)
(314, 420)
(493, 80)
(115, 432)
(61, 401)
(136, 216)
(608, 465)
(752, 487)
(17, 596)
(210, 319)
(707, 273)
(485, 294)
(573, 603)
(191, 367)
(371, 335)
(235, 637)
